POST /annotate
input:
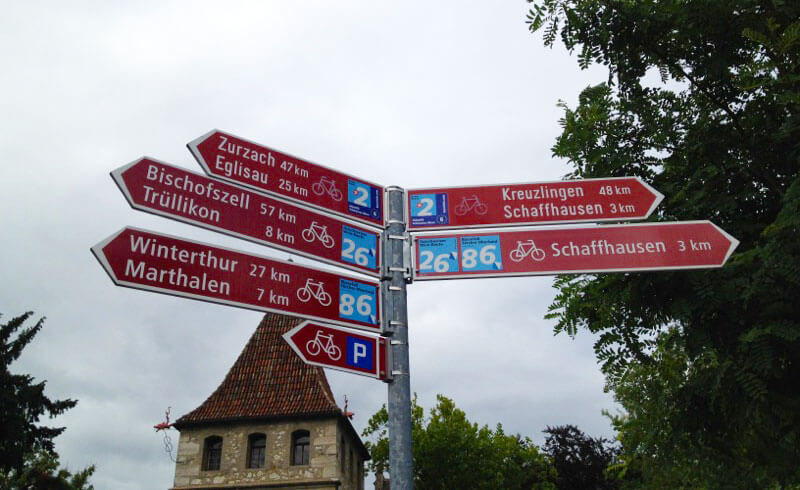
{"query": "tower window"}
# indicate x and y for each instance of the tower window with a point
(301, 442)
(256, 452)
(212, 453)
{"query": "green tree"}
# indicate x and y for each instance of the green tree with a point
(451, 452)
(703, 101)
(40, 471)
(580, 461)
(666, 458)
(27, 453)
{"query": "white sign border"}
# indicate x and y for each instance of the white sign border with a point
(117, 176)
(193, 148)
(97, 250)
(418, 229)
(378, 355)
(416, 277)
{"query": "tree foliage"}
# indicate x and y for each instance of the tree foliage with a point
(666, 458)
(450, 452)
(580, 461)
(41, 471)
(703, 101)
(27, 455)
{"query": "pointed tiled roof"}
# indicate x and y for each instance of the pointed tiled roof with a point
(267, 381)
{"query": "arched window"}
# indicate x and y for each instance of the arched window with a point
(301, 442)
(256, 450)
(212, 453)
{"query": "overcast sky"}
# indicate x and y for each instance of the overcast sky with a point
(415, 94)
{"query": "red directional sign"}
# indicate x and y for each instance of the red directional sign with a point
(159, 188)
(567, 201)
(145, 260)
(608, 248)
(243, 162)
(340, 348)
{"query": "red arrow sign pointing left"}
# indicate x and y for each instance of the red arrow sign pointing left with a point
(164, 264)
(159, 188)
(340, 348)
(243, 162)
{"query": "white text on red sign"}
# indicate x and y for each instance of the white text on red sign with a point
(173, 192)
(145, 260)
(243, 162)
(589, 200)
(639, 247)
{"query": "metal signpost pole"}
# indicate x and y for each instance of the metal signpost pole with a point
(397, 270)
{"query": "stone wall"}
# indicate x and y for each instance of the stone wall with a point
(324, 463)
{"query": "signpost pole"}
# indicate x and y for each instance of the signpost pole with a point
(396, 271)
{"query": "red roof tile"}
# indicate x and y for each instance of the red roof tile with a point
(268, 380)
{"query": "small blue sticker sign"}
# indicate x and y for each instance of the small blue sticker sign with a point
(359, 247)
(359, 353)
(438, 254)
(481, 253)
(429, 209)
(363, 199)
(358, 301)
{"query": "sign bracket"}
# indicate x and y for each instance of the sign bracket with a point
(390, 268)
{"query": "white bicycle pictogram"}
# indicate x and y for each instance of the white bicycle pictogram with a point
(318, 232)
(323, 343)
(327, 185)
(468, 204)
(314, 289)
(527, 248)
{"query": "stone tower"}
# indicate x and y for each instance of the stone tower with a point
(271, 424)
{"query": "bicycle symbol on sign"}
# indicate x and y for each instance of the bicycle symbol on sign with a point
(319, 232)
(314, 289)
(327, 185)
(527, 248)
(323, 343)
(468, 204)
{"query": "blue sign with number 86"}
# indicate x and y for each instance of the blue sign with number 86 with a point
(481, 253)
(357, 301)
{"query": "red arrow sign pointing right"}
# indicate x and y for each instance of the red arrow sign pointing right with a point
(612, 248)
(566, 201)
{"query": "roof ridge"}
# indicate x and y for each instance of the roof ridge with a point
(267, 380)
(326, 388)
